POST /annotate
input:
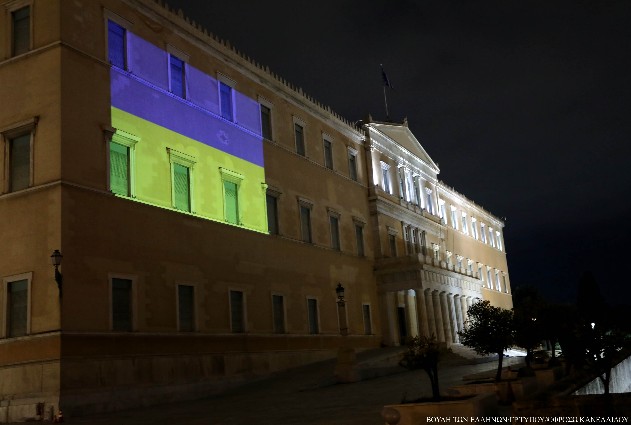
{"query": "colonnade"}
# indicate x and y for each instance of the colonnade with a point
(427, 312)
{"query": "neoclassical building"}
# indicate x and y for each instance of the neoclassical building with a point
(204, 210)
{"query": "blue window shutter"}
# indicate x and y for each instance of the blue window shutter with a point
(177, 76)
(116, 44)
(119, 169)
(225, 93)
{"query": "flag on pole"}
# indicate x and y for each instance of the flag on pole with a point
(386, 81)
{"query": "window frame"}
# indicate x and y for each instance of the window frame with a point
(193, 306)
(353, 173)
(174, 52)
(236, 178)
(318, 329)
(368, 325)
(7, 135)
(28, 276)
(284, 312)
(133, 303)
(298, 123)
(275, 195)
(328, 159)
(231, 114)
(188, 161)
(129, 141)
(243, 311)
(359, 236)
(336, 239)
(11, 8)
(385, 178)
(264, 103)
(305, 205)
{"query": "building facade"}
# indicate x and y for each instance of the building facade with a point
(206, 210)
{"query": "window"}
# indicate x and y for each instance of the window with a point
(417, 190)
(491, 238)
(121, 163)
(474, 228)
(231, 200)
(407, 239)
(441, 211)
(312, 313)
(272, 214)
(278, 313)
(116, 45)
(367, 319)
(402, 193)
(299, 133)
(328, 154)
(470, 266)
(181, 176)
(480, 274)
(410, 187)
(237, 316)
(352, 164)
(454, 221)
(498, 285)
(414, 233)
(305, 221)
(21, 31)
(385, 170)
(448, 257)
(499, 240)
(266, 122)
(19, 162)
(182, 187)
(334, 222)
(186, 308)
(489, 281)
(178, 82)
(392, 239)
(459, 261)
(121, 305)
(436, 250)
(430, 201)
(359, 238)
(483, 232)
(17, 301)
(225, 95)
(465, 228)
(505, 285)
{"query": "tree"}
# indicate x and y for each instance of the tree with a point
(490, 331)
(526, 316)
(424, 353)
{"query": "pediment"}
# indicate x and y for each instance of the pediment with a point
(401, 135)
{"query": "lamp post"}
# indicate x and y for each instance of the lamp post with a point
(55, 260)
(346, 359)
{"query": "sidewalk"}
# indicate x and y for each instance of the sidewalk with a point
(305, 396)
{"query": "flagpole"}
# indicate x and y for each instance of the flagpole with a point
(385, 100)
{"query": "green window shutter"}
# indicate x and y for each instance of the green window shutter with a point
(119, 169)
(181, 187)
(232, 202)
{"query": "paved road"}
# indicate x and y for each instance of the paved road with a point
(303, 396)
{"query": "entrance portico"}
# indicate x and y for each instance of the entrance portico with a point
(432, 296)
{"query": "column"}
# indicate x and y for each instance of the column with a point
(388, 323)
(412, 314)
(458, 310)
(444, 307)
(421, 313)
(431, 322)
(453, 317)
(463, 306)
(438, 316)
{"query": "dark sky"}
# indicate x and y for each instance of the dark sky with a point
(525, 105)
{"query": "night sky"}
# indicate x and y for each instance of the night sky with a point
(525, 106)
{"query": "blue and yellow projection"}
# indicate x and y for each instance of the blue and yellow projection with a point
(186, 153)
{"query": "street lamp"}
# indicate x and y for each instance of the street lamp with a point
(339, 290)
(55, 260)
(345, 367)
